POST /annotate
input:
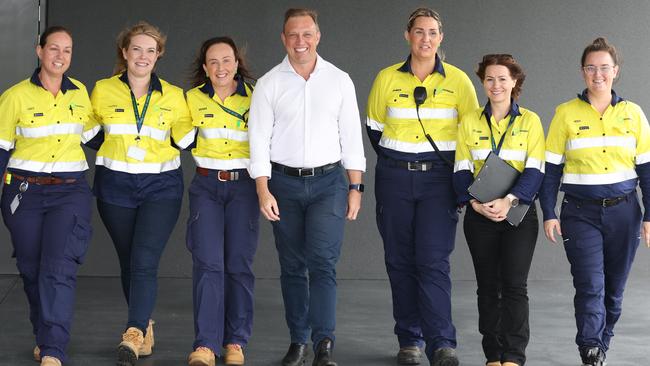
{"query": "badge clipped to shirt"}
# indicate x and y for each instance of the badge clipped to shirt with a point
(136, 153)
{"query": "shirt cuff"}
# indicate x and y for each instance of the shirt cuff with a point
(257, 170)
(354, 163)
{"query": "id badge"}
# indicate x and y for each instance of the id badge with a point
(14, 203)
(136, 153)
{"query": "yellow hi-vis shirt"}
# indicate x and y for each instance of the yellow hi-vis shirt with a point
(222, 141)
(150, 150)
(523, 146)
(45, 131)
(595, 149)
(391, 107)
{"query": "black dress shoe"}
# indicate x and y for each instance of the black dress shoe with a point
(295, 355)
(444, 357)
(409, 355)
(592, 356)
(323, 356)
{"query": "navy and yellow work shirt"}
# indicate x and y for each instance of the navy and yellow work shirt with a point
(222, 141)
(523, 149)
(596, 156)
(392, 122)
(132, 165)
(41, 133)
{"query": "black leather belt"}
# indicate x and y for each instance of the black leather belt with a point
(223, 175)
(304, 172)
(413, 166)
(604, 202)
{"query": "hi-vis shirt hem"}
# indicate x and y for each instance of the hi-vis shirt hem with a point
(6, 145)
(51, 167)
(219, 164)
(131, 129)
(463, 165)
(139, 168)
(419, 147)
(88, 135)
(374, 125)
(554, 158)
(187, 139)
(599, 179)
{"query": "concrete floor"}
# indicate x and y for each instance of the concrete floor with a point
(364, 332)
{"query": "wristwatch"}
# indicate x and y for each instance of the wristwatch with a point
(359, 187)
(514, 201)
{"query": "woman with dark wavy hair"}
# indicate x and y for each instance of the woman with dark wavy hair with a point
(222, 229)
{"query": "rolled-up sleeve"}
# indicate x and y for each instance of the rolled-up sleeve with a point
(352, 155)
(260, 129)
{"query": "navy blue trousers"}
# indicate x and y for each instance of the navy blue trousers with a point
(222, 234)
(50, 232)
(417, 218)
(140, 236)
(308, 238)
(600, 243)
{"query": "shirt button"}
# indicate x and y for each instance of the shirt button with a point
(58, 140)
(604, 150)
(55, 104)
(224, 126)
(605, 168)
(417, 137)
(229, 154)
(603, 134)
(601, 118)
(53, 157)
(58, 122)
(226, 142)
(201, 122)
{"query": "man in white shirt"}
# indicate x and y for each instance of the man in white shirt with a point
(305, 133)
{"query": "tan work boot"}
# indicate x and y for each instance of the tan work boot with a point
(233, 355)
(202, 356)
(50, 361)
(147, 345)
(495, 363)
(37, 354)
(127, 350)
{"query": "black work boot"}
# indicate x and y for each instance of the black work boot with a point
(592, 356)
(323, 356)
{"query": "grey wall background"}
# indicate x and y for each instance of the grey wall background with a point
(361, 37)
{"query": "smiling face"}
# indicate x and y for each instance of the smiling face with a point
(498, 84)
(220, 65)
(424, 38)
(300, 38)
(141, 55)
(56, 55)
(599, 72)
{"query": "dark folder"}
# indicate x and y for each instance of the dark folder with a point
(494, 180)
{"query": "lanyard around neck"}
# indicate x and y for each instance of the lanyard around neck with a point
(497, 148)
(139, 118)
(241, 117)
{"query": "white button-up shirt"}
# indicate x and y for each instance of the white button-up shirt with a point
(304, 123)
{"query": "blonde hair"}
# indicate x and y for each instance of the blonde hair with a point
(124, 40)
(424, 12)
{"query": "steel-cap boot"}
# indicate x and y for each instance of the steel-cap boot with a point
(592, 356)
(147, 345)
(127, 350)
(233, 355)
(202, 356)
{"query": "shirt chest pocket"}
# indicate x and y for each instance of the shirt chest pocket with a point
(161, 119)
(33, 119)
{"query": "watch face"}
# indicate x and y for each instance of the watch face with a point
(514, 203)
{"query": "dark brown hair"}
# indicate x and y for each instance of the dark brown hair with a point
(516, 71)
(42, 40)
(599, 44)
(424, 12)
(299, 12)
(124, 41)
(199, 77)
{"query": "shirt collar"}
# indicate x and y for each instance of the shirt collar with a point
(514, 110)
(437, 67)
(66, 83)
(155, 81)
(286, 64)
(208, 89)
(615, 98)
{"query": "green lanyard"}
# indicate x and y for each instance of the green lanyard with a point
(139, 118)
(496, 149)
(242, 117)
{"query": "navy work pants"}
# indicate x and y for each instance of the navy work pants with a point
(416, 216)
(308, 238)
(140, 235)
(50, 232)
(502, 255)
(222, 233)
(600, 243)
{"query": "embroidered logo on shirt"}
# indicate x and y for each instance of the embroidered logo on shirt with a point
(577, 120)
